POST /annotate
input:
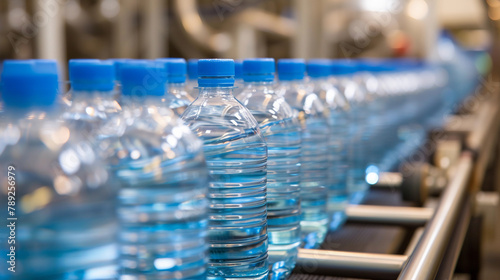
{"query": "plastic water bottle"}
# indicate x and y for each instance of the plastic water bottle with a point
(62, 205)
(281, 130)
(342, 78)
(160, 165)
(319, 71)
(94, 110)
(176, 97)
(192, 82)
(379, 122)
(439, 93)
(236, 156)
(314, 151)
(239, 84)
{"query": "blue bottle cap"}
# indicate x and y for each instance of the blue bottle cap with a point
(370, 65)
(193, 69)
(319, 68)
(343, 67)
(143, 78)
(290, 69)
(29, 83)
(215, 73)
(118, 63)
(91, 75)
(258, 70)
(177, 69)
(48, 64)
(238, 69)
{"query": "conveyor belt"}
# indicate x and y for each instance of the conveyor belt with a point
(370, 238)
(299, 276)
(363, 238)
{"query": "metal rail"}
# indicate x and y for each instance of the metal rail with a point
(389, 215)
(350, 264)
(425, 260)
(452, 253)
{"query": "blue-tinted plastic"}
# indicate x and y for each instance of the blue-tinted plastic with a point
(176, 96)
(63, 197)
(236, 156)
(162, 207)
(280, 128)
(314, 152)
(338, 139)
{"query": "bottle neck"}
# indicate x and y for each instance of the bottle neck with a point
(11, 115)
(176, 85)
(135, 101)
(320, 83)
(343, 76)
(318, 79)
(259, 85)
(291, 82)
(216, 91)
(78, 96)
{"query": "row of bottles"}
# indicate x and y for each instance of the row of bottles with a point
(201, 170)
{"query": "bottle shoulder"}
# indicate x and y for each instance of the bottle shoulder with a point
(302, 99)
(220, 117)
(331, 96)
(95, 118)
(155, 120)
(354, 93)
(91, 109)
(266, 106)
(180, 94)
(154, 137)
(48, 155)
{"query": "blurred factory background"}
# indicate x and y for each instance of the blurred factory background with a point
(65, 29)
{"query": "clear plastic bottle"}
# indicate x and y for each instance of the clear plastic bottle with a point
(63, 205)
(192, 82)
(94, 110)
(319, 72)
(281, 130)
(378, 123)
(176, 96)
(342, 78)
(236, 155)
(312, 116)
(160, 165)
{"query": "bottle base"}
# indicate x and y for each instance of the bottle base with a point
(338, 220)
(313, 233)
(260, 277)
(357, 197)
